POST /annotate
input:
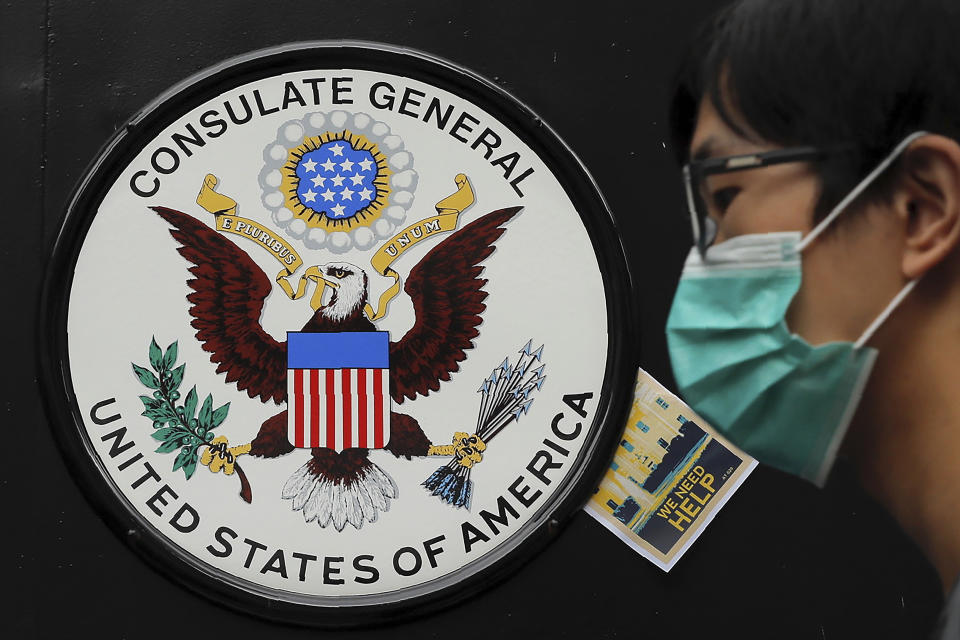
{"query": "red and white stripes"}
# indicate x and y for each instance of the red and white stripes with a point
(338, 408)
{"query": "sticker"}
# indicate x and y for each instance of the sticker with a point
(334, 330)
(669, 477)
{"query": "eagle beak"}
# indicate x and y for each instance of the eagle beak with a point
(327, 293)
(327, 281)
(328, 289)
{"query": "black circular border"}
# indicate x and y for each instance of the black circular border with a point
(622, 351)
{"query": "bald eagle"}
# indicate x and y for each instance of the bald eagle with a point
(226, 302)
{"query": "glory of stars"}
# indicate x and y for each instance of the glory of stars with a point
(330, 176)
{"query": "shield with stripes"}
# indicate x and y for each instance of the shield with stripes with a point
(338, 390)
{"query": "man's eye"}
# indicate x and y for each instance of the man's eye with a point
(723, 197)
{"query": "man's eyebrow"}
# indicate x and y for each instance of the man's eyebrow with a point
(706, 149)
(713, 147)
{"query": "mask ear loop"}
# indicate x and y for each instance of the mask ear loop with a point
(897, 299)
(841, 206)
(857, 190)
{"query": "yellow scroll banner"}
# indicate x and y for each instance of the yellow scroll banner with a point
(225, 210)
(448, 213)
(227, 220)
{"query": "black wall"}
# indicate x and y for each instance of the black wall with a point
(782, 560)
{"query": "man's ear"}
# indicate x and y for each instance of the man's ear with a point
(927, 200)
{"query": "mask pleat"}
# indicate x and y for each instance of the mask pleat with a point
(708, 395)
(819, 390)
(717, 303)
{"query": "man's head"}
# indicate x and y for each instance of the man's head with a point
(769, 74)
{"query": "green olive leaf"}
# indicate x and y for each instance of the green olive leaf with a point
(156, 357)
(190, 403)
(219, 416)
(169, 446)
(146, 377)
(205, 418)
(176, 377)
(170, 357)
(190, 466)
(166, 433)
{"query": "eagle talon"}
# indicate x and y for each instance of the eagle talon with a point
(467, 449)
(218, 457)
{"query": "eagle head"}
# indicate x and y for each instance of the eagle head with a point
(347, 284)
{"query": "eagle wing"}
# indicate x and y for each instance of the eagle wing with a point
(226, 303)
(447, 294)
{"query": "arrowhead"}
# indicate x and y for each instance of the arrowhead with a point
(526, 350)
(539, 382)
(505, 365)
(484, 388)
(538, 353)
(526, 405)
(526, 389)
(539, 370)
(522, 366)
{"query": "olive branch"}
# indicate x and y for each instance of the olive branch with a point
(176, 426)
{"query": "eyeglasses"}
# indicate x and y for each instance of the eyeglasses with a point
(695, 176)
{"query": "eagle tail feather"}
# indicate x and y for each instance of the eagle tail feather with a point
(329, 499)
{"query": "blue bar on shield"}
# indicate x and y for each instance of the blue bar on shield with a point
(346, 350)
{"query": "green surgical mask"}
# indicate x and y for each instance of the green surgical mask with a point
(767, 390)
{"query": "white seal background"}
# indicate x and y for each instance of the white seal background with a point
(544, 284)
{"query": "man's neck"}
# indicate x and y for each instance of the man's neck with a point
(905, 439)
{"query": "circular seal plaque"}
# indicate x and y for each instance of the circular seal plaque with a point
(336, 333)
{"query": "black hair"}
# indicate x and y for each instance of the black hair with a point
(824, 72)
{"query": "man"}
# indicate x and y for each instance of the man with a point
(820, 308)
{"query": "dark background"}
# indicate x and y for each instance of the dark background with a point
(782, 560)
